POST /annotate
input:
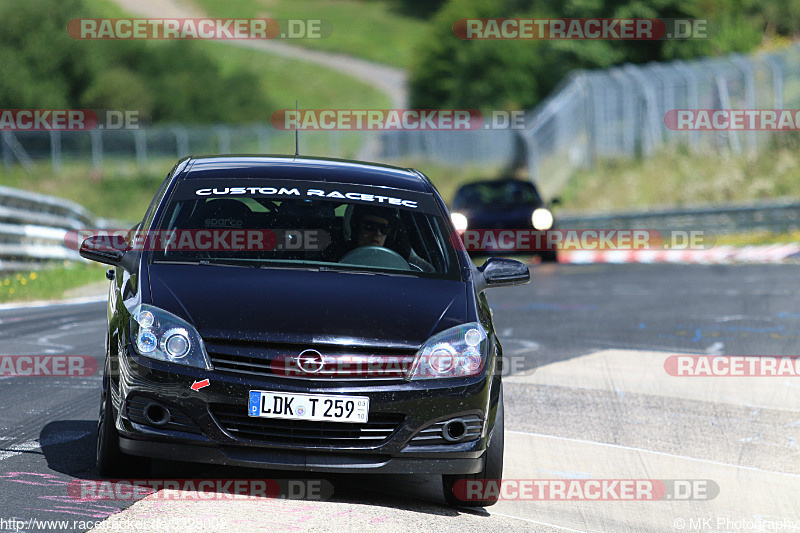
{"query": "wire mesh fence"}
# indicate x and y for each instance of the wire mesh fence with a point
(592, 115)
(143, 145)
(620, 113)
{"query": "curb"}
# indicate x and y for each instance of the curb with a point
(774, 253)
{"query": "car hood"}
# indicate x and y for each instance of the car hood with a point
(293, 305)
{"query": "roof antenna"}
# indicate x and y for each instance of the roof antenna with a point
(296, 131)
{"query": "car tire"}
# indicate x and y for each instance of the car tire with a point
(492, 469)
(110, 460)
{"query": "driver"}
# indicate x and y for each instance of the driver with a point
(372, 225)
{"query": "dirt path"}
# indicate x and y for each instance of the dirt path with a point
(389, 80)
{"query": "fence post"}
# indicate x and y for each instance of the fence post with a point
(97, 148)
(140, 141)
(182, 142)
(55, 150)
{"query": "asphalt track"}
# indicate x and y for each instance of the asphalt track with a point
(593, 402)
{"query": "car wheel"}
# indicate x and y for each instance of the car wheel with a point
(111, 462)
(492, 468)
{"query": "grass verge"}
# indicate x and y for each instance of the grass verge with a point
(122, 195)
(375, 30)
(284, 80)
(49, 283)
(678, 178)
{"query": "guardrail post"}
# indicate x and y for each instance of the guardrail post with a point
(262, 135)
(182, 142)
(55, 150)
(224, 140)
(140, 140)
(97, 148)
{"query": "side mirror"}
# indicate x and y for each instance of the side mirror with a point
(502, 272)
(110, 250)
(555, 201)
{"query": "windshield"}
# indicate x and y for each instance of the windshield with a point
(501, 193)
(305, 225)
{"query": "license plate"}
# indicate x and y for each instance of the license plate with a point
(299, 406)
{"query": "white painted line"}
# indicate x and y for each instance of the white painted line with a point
(57, 438)
(18, 449)
(642, 450)
(562, 528)
(49, 303)
(643, 372)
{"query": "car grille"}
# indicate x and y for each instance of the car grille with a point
(234, 420)
(341, 363)
(433, 434)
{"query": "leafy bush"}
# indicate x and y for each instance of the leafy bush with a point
(41, 66)
(515, 74)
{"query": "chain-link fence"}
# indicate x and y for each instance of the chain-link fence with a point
(142, 145)
(620, 113)
(592, 115)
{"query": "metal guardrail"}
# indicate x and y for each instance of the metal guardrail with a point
(774, 216)
(33, 227)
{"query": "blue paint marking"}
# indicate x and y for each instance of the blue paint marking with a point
(704, 332)
(255, 400)
(642, 325)
(547, 307)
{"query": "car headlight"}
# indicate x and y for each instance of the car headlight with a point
(455, 352)
(160, 335)
(459, 221)
(542, 219)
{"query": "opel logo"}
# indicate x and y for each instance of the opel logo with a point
(310, 361)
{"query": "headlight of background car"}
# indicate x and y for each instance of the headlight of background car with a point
(455, 352)
(160, 335)
(459, 221)
(542, 219)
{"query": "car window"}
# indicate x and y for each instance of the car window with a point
(293, 226)
(499, 193)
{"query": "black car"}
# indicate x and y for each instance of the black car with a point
(502, 204)
(344, 331)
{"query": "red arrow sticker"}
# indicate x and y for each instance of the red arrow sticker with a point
(197, 385)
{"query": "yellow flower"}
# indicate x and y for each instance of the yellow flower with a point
(11, 291)
(33, 275)
(19, 277)
(23, 281)
(7, 281)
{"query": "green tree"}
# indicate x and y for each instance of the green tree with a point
(509, 74)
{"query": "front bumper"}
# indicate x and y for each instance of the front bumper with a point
(211, 425)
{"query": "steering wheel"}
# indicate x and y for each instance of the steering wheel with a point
(376, 256)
